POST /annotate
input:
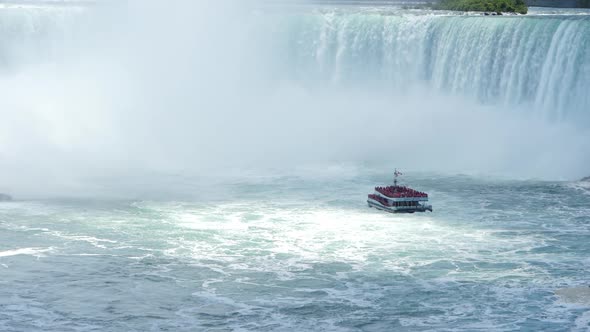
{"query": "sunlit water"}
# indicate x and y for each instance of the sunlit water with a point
(300, 252)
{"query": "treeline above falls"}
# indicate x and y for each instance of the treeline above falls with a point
(535, 3)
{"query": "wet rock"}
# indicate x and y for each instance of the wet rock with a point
(586, 179)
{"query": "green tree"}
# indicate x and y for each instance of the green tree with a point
(507, 6)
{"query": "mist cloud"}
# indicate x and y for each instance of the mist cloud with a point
(193, 87)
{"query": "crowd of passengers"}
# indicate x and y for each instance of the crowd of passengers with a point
(379, 199)
(399, 191)
(396, 204)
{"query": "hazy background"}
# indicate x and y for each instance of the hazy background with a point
(139, 89)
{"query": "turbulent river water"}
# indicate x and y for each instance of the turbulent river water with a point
(295, 248)
(301, 252)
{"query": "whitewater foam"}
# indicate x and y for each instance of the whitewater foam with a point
(36, 252)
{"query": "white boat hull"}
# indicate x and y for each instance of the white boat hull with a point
(399, 209)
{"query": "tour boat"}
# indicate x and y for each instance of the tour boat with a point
(399, 199)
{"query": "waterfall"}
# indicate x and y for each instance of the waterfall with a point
(538, 62)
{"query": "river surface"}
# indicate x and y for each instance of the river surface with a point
(300, 252)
